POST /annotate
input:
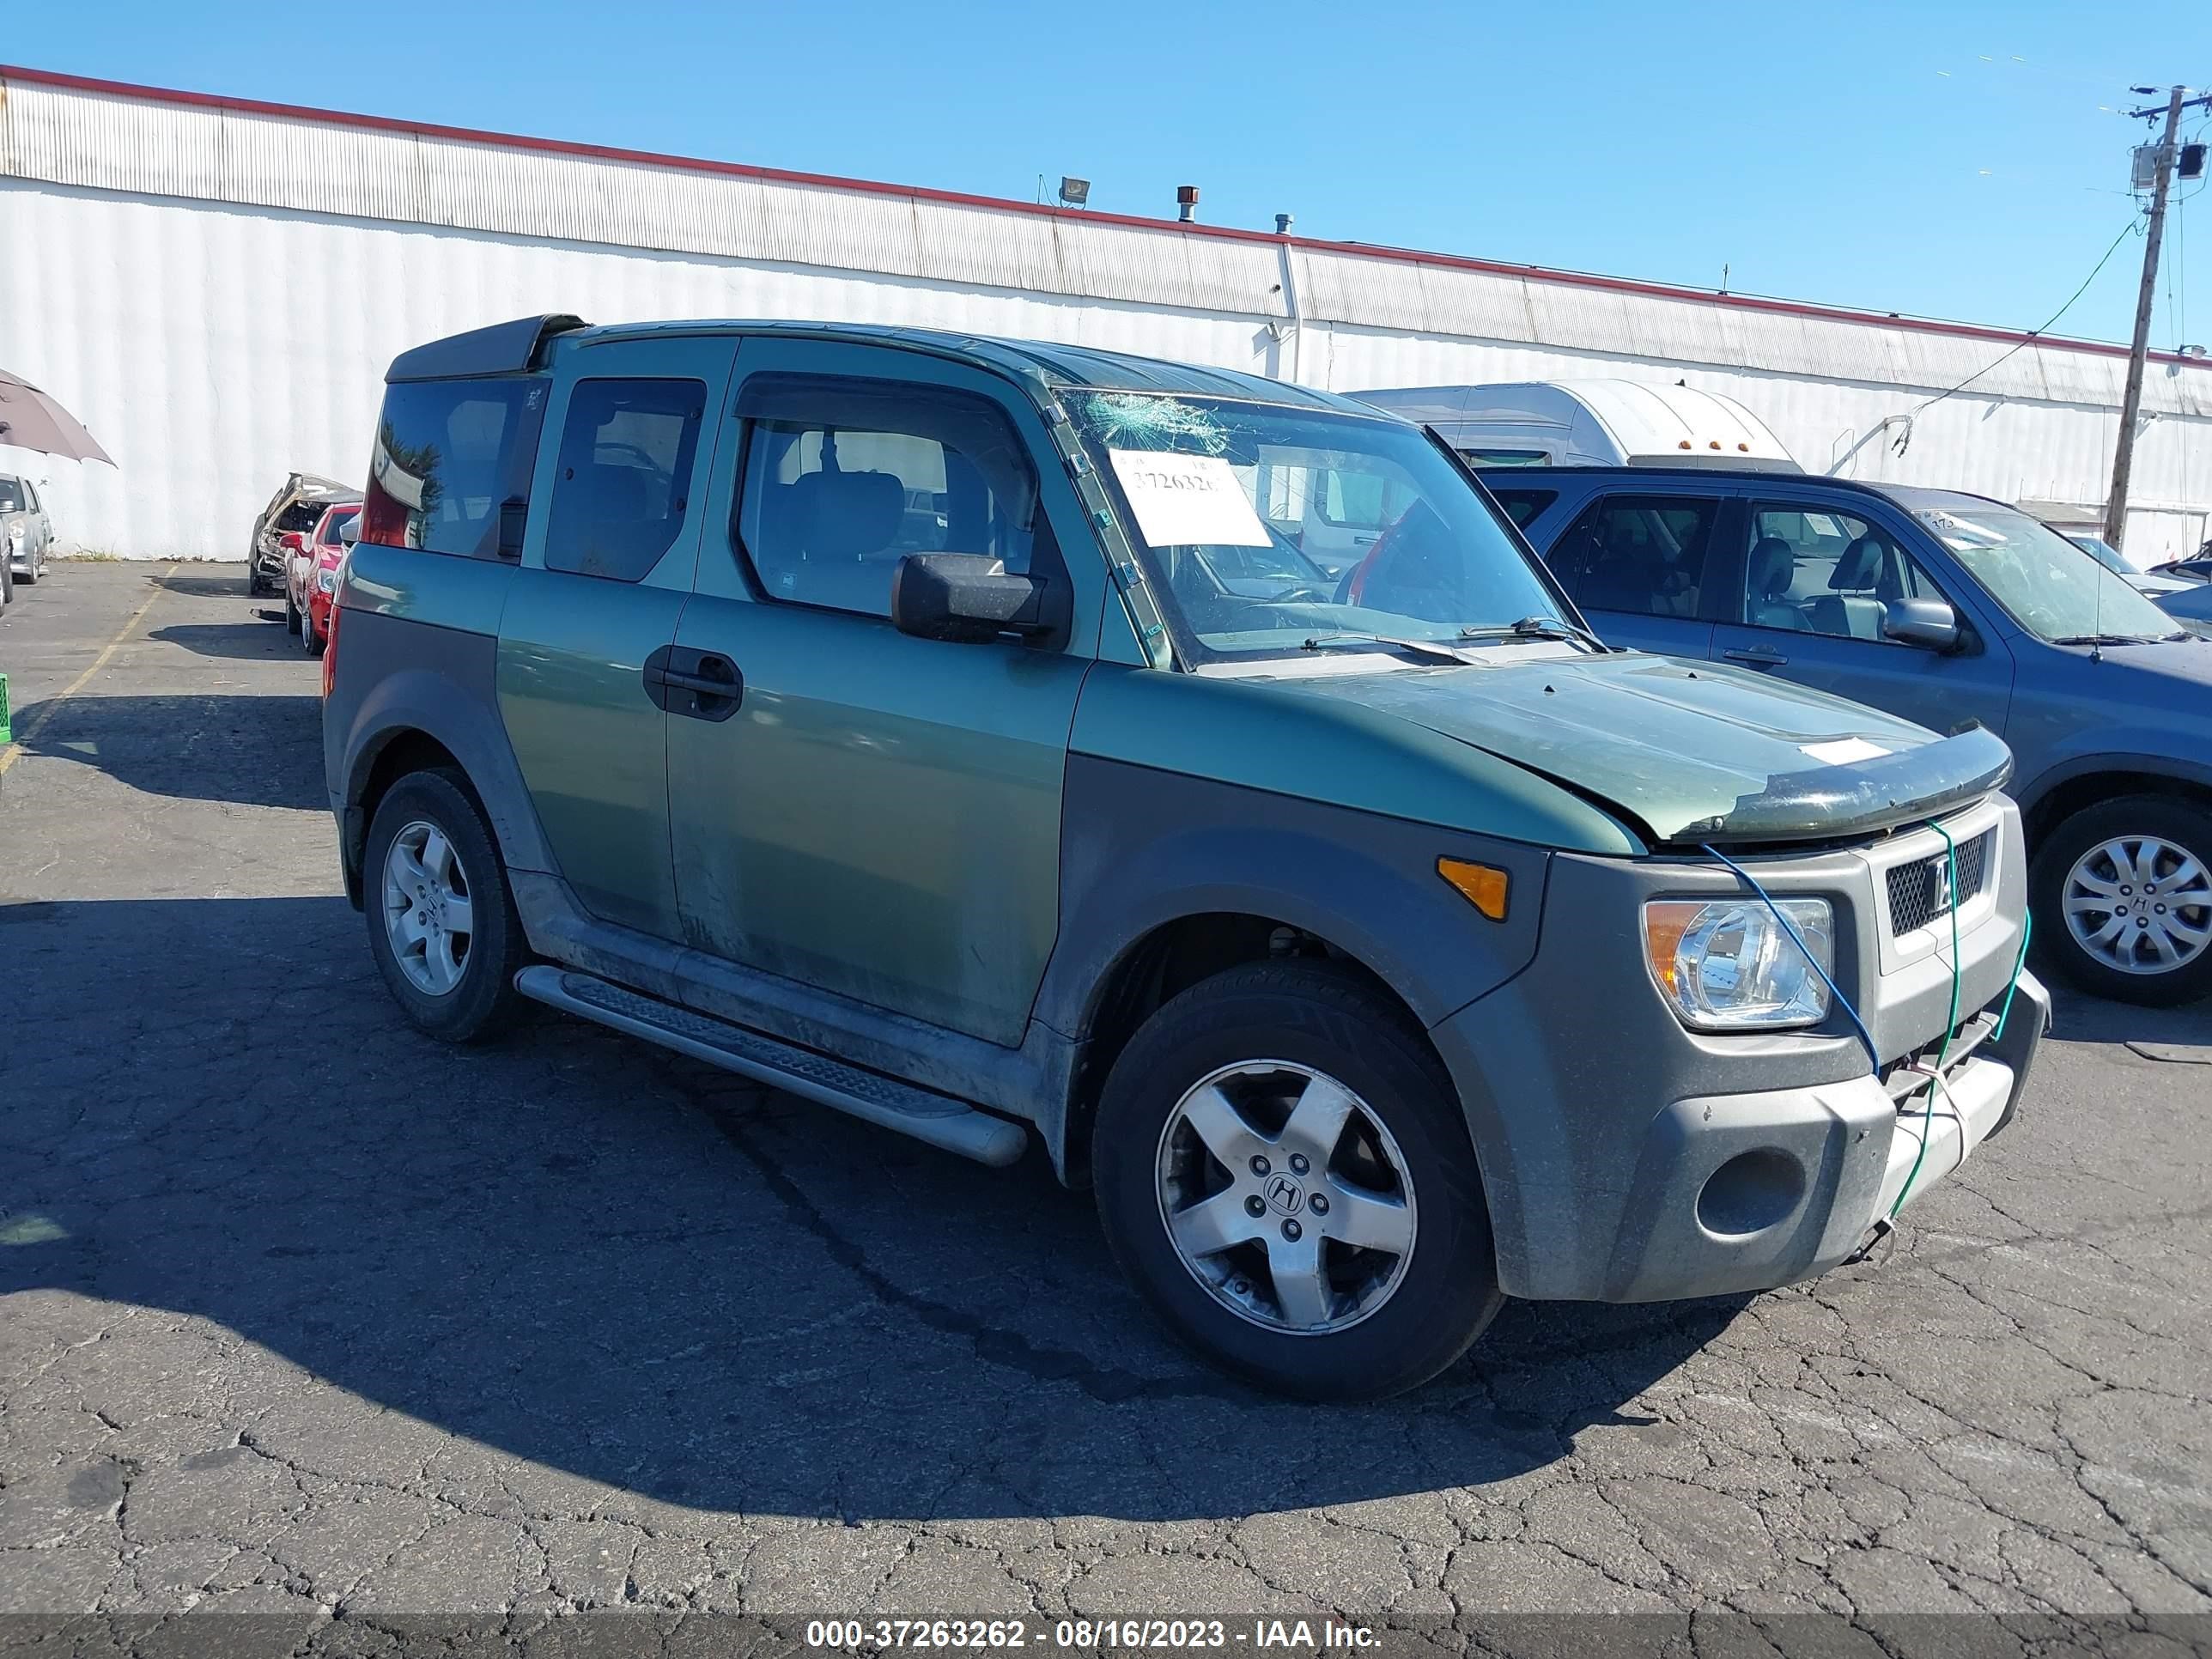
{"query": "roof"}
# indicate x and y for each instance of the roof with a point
(1913, 498)
(1055, 365)
(1412, 260)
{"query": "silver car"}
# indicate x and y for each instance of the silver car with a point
(26, 535)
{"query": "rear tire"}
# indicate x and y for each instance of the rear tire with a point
(1295, 1302)
(433, 807)
(2136, 872)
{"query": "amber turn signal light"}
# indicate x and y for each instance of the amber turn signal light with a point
(1482, 885)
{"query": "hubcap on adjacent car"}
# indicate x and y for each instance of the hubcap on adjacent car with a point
(1285, 1197)
(2139, 903)
(427, 914)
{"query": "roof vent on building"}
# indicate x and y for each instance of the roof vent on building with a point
(1283, 224)
(1186, 203)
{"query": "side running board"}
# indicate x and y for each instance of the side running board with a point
(927, 1115)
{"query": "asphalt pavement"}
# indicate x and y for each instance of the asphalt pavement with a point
(303, 1314)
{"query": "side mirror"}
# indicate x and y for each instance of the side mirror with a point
(293, 541)
(513, 518)
(1928, 622)
(971, 598)
(349, 532)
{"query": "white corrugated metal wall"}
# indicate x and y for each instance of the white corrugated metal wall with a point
(216, 291)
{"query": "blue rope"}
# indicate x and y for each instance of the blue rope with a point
(1789, 927)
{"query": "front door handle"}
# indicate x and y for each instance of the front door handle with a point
(1758, 656)
(702, 684)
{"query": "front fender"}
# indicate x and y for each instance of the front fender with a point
(2142, 753)
(1141, 848)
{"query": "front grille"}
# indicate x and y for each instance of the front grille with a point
(1919, 892)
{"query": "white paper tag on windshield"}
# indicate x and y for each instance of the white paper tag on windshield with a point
(1843, 751)
(1183, 499)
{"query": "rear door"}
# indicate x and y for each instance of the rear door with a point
(1808, 601)
(1635, 557)
(613, 539)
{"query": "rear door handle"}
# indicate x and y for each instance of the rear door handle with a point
(700, 684)
(1758, 656)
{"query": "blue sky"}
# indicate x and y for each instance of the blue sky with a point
(1948, 159)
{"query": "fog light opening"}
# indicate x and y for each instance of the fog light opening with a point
(1750, 1192)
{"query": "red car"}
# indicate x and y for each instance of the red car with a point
(311, 566)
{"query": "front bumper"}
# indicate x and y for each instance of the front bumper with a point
(1627, 1158)
(1747, 1192)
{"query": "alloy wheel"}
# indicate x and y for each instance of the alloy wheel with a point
(2140, 904)
(1286, 1196)
(427, 918)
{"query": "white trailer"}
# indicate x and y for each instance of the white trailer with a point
(1589, 423)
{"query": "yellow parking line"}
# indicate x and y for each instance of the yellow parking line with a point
(46, 709)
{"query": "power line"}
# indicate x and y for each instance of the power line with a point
(2034, 335)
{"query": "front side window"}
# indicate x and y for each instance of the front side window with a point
(1644, 556)
(1265, 526)
(1816, 571)
(845, 477)
(448, 453)
(623, 481)
(11, 495)
(2047, 585)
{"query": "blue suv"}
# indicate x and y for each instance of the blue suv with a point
(1949, 610)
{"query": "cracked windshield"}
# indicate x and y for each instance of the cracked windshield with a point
(1269, 527)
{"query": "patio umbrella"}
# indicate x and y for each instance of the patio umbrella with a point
(31, 420)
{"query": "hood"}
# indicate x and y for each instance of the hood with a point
(1690, 752)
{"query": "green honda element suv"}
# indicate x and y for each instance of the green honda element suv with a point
(992, 740)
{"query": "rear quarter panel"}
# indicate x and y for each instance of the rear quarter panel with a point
(418, 652)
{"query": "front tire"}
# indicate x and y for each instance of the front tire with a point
(441, 920)
(291, 615)
(2122, 893)
(1282, 1169)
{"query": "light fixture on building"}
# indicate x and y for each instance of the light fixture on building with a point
(1074, 192)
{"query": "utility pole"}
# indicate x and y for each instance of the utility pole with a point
(2124, 453)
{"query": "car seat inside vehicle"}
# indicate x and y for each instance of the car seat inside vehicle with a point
(1852, 608)
(1773, 568)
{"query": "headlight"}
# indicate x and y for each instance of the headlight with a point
(327, 580)
(15, 534)
(1730, 966)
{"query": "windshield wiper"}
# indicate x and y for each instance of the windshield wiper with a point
(1537, 628)
(1436, 648)
(2120, 639)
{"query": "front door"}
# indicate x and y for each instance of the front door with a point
(612, 540)
(1812, 597)
(877, 815)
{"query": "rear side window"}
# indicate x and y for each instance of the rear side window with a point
(448, 453)
(843, 478)
(1640, 555)
(624, 481)
(1522, 505)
